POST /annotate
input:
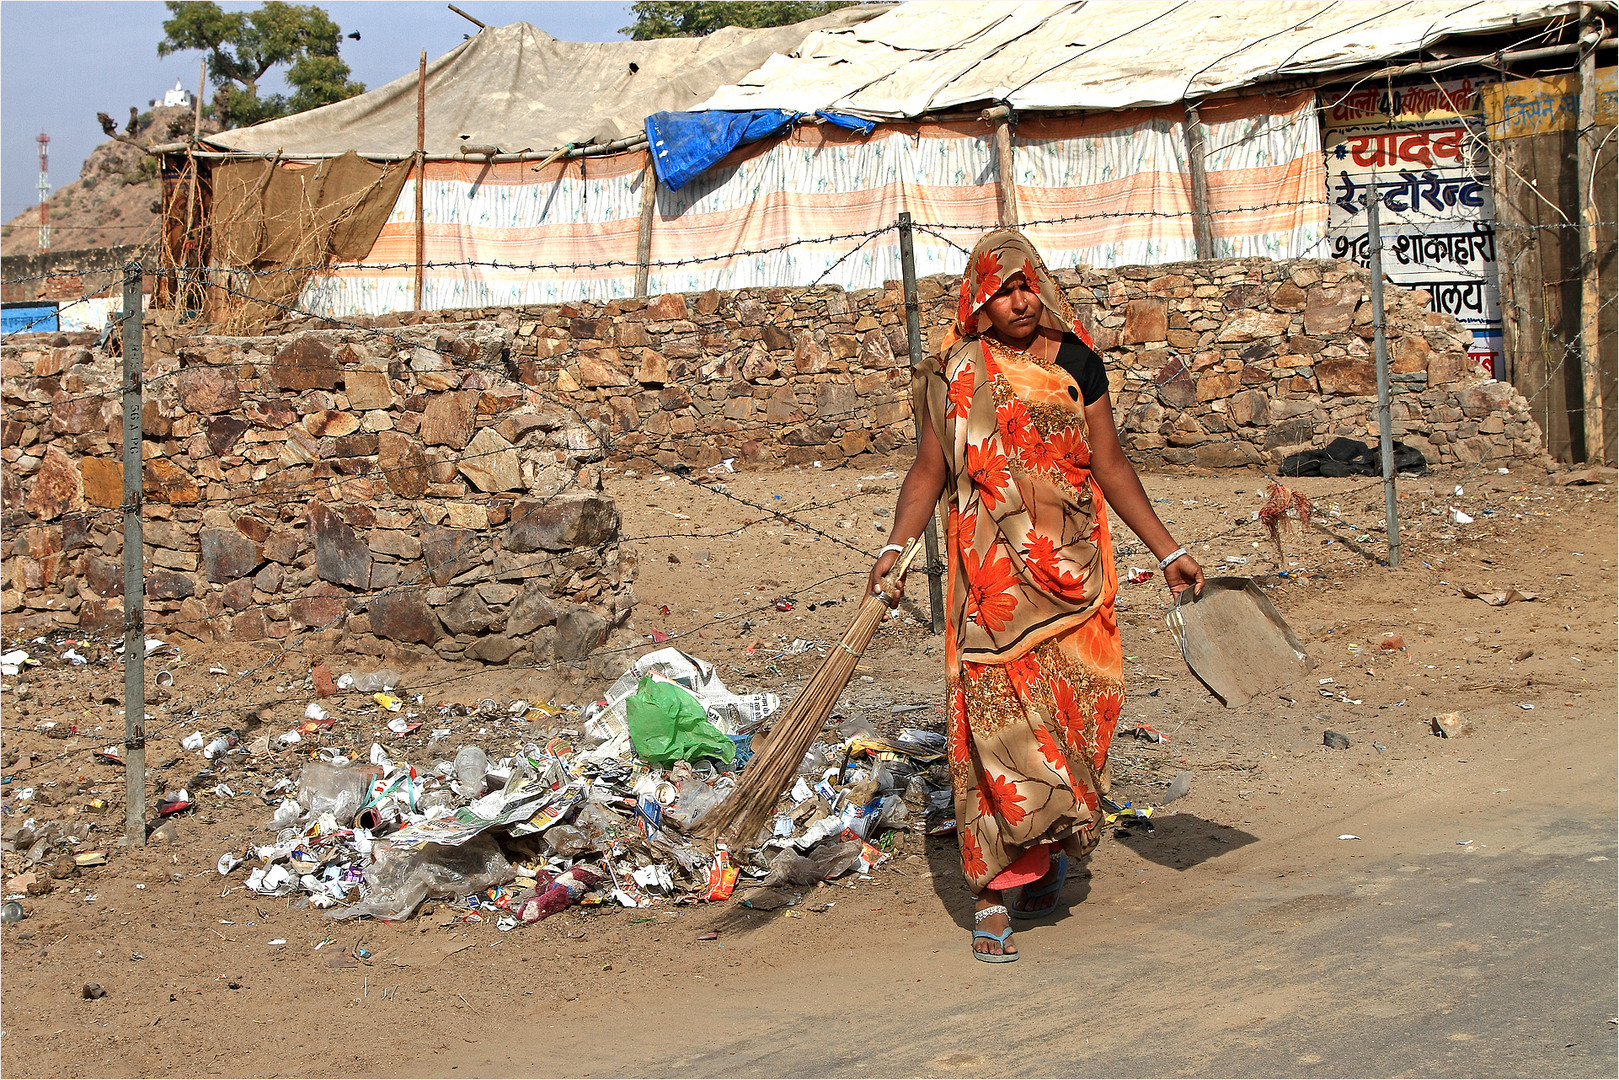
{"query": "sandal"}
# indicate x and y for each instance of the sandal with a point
(1050, 890)
(1000, 938)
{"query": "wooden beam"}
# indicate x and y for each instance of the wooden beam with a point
(1196, 153)
(1005, 177)
(643, 239)
(475, 22)
(1596, 449)
(421, 172)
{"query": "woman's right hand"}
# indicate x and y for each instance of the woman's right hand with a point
(874, 583)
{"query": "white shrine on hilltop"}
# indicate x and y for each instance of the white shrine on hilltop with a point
(178, 96)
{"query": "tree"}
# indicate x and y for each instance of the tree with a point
(697, 18)
(243, 46)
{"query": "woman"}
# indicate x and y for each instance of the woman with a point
(1017, 433)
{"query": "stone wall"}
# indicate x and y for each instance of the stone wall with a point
(392, 495)
(1217, 363)
(67, 275)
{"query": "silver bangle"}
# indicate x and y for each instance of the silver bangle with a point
(895, 548)
(1172, 556)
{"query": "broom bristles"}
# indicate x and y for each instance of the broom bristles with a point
(751, 803)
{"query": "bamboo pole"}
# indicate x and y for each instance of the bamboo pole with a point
(643, 238)
(617, 146)
(193, 218)
(1196, 152)
(421, 172)
(1596, 449)
(202, 84)
(475, 22)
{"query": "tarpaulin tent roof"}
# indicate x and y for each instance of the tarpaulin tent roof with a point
(518, 88)
(929, 55)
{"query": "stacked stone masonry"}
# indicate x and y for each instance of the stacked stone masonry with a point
(1221, 363)
(432, 480)
(389, 495)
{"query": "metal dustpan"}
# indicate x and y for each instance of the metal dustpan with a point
(1235, 640)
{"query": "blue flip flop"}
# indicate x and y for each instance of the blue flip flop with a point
(1050, 890)
(1000, 938)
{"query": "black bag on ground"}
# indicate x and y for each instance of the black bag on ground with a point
(1350, 457)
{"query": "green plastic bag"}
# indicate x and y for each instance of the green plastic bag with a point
(667, 724)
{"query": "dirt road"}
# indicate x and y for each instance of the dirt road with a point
(1469, 929)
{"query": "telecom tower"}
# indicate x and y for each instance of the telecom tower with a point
(44, 141)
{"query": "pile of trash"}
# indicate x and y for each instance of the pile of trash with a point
(603, 808)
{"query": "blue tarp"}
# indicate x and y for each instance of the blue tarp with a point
(685, 144)
(852, 123)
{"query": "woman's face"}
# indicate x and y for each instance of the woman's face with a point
(1014, 311)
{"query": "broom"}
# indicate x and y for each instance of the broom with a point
(752, 801)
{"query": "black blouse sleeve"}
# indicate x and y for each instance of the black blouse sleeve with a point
(1083, 366)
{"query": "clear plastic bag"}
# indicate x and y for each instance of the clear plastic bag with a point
(893, 815)
(568, 841)
(892, 776)
(821, 864)
(817, 759)
(336, 789)
(694, 801)
(369, 682)
(399, 879)
(922, 741)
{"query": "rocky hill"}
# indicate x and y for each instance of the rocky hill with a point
(115, 200)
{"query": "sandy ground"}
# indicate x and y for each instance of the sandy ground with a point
(1469, 929)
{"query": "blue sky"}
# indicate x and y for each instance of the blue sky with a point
(61, 63)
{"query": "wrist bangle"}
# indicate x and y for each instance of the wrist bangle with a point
(1171, 557)
(895, 548)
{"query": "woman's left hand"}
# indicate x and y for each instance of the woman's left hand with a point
(1182, 574)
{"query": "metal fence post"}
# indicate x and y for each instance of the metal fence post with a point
(1385, 430)
(913, 334)
(134, 573)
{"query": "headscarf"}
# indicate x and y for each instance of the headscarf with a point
(997, 256)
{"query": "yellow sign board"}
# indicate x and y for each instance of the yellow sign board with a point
(1535, 106)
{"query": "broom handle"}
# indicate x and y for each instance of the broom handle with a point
(897, 571)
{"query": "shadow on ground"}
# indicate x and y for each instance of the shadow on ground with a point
(1181, 841)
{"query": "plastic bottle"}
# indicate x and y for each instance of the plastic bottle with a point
(471, 770)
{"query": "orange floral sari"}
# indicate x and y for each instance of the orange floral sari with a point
(1034, 672)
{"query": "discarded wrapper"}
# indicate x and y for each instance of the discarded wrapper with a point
(871, 857)
(1501, 597)
(722, 876)
(1112, 811)
(1137, 575)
